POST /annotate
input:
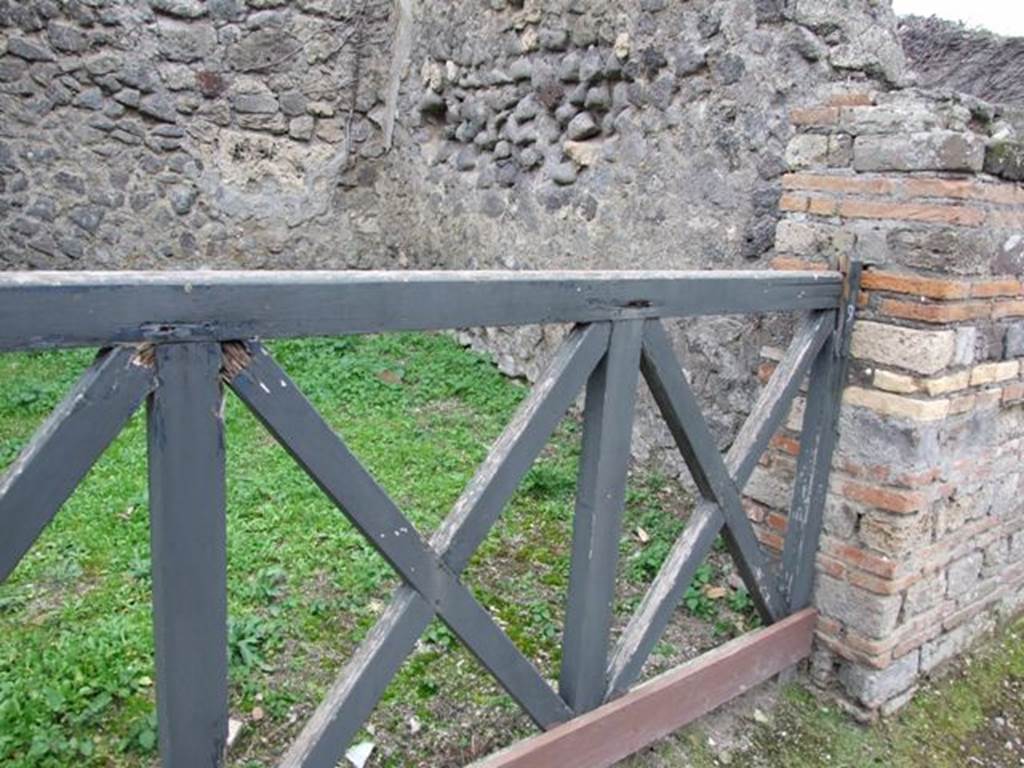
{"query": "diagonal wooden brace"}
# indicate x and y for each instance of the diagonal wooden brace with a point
(285, 412)
(682, 412)
(66, 446)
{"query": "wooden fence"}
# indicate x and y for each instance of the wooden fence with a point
(174, 339)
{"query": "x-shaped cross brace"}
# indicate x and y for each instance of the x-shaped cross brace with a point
(430, 571)
(720, 483)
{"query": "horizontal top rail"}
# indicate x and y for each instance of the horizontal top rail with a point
(66, 309)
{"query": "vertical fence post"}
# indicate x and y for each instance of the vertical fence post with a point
(817, 442)
(600, 498)
(188, 539)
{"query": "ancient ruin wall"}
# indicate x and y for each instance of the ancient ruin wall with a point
(178, 133)
(335, 133)
(923, 548)
(638, 134)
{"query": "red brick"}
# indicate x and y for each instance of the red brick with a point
(894, 645)
(891, 500)
(916, 640)
(1006, 194)
(794, 203)
(1004, 286)
(935, 313)
(769, 539)
(937, 214)
(875, 472)
(878, 585)
(830, 566)
(791, 264)
(823, 206)
(1013, 392)
(828, 625)
(930, 287)
(868, 646)
(963, 189)
(1003, 309)
(851, 555)
(938, 188)
(916, 480)
(776, 521)
(852, 99)
(840, 648)
(786, 444)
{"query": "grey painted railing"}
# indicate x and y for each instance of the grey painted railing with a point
(175, 338)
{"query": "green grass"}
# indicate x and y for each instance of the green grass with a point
(951, 723)
(76, 676)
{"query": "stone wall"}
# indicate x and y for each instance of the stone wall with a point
(923, 548)
(393, 134)
(639, 134)
(177, 133)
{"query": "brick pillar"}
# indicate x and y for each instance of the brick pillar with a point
(923, 547)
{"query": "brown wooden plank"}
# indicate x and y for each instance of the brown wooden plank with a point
(618, 729)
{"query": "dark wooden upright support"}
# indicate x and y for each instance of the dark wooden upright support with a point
(188, 537)
(817, 442)
(600, 497)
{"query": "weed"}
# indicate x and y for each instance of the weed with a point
(696, 598)
(250, 641)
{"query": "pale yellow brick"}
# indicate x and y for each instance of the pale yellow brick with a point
(925, 352)
(962, 404)
(896, 405)
(894, 382)
(988, 373)
(954, 382)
